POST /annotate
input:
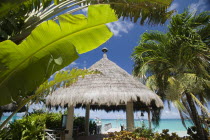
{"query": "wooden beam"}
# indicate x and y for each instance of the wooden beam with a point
(129, 116)
(149, 119)
(87, 116)
(69, 123)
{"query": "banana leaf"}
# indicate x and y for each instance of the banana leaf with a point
(50, 47)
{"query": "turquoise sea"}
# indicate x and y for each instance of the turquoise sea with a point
(171, 124)
(13, 118)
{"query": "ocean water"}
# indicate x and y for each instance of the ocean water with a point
(171, 124)
(3, 118)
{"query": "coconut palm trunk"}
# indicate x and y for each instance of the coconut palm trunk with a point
(196, 119)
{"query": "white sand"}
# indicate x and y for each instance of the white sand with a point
(179, 133)
(111, 130)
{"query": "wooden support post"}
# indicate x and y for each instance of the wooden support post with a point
(69, 124)
(87, 116)
(129, 116)
(149, 119)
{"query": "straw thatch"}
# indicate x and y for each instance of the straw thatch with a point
(11, 107)
(137, 106)
(112, 87)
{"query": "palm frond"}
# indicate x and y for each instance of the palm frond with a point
(156, 116)
(179, 105)
(203, 108)
(156, 36)
(178, 61)
(151, 12)
(182, 118)
(37, 11)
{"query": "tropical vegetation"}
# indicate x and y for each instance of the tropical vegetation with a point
(49, 48)
(18, 18)
(32, 126)
(33, 48)
(33, 53)
(144, 134)
(79, 123)
(175, 64)
(60, 79)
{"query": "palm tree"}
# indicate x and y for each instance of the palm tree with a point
(18, 23)
(176, 64)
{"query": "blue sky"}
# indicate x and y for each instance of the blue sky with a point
(126, 37)
(120, 46)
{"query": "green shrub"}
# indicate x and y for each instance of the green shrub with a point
(124, 135)
(79, 123)
(28, 128)
(79, 127)
(166, 136)
(144, 134)
(5, 134)
(31, 127)
(53, 120)
(92, 127)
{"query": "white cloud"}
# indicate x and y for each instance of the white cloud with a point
(167, 114)
(201, 5)
(174, 6)
(171, 113)
(119, 27)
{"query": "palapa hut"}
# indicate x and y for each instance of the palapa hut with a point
(111, 89)
(10, 108)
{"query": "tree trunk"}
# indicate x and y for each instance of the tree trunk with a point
(204, 115)
(196, 119)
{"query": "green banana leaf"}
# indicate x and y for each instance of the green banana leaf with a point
(50, 47)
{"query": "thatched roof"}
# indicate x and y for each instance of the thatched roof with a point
(137, 106)
(113, 86)
(11, 107)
